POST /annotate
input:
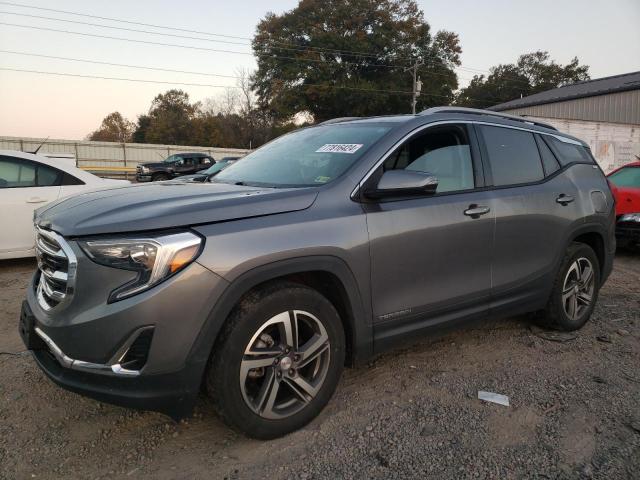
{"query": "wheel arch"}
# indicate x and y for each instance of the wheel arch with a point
(593, 235)
(328, 274)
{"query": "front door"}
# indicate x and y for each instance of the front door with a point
(22, 190)
(431, 256)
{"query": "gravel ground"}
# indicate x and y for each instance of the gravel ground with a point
(413, 413)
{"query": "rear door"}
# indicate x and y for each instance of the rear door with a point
(535, 208)
(24, 186)
(430, 257)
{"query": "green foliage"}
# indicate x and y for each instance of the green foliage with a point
(301, 59)
(171, 114)
(114, 128)
(173, 119)
(532, 73)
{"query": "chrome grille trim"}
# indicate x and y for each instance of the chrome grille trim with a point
(57, 265)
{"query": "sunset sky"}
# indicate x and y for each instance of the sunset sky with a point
(604, 35)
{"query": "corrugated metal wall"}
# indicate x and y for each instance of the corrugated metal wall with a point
(612, 144)
(623, 107)
(109, 154)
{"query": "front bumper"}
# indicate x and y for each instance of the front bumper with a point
(628, 232)
(80, 346)
(173, 394)
(143, 177)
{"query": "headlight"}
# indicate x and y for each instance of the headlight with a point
(144, 169)
(154, 258)
(630, 217)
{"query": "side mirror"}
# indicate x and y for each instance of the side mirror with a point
(401, 183)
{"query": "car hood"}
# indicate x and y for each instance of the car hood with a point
(155, 164)
(166, 205)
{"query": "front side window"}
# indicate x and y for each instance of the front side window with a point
(172, 159)
(20, 173)
(308, 157)
(513, 156)
(443, 152)
(17, 173)
(626, 177)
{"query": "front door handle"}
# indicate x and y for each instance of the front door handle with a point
(474, 211)
(36, 200)
(564, 199)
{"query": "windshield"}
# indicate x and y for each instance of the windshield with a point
(217, 167)
(308, 157)
(626, 177)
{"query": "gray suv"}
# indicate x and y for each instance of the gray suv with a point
(320, 249)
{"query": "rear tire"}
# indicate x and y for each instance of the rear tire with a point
(277, 362)
(575, 290)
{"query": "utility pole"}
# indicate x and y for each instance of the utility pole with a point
(417, 85)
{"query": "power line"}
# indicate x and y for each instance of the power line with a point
(99, 77)
(189, 30)
(138, 80)
(96, 62)
(205, 48)
(192, 47)
(296, 47)
(299, 49)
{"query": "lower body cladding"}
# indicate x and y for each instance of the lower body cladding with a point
(140, 352)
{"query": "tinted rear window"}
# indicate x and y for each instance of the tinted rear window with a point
(549, 160)
(568, 152)
(513, 155)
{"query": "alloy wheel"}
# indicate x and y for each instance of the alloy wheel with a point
(285, 364)
(578, 288)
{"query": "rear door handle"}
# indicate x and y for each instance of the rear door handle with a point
(564, 199)
(474, 211)
(36, 200)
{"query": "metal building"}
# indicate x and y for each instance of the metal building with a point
(605, 112)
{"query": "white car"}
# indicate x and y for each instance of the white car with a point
(28, 182)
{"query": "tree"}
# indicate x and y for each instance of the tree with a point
(142, 126)
(170, 118)
(306, 61)
(114, 128)
(532, 73)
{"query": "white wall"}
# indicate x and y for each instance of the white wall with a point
(613, 144)
(110, 154)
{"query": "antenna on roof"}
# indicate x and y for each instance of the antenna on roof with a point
(40, 146)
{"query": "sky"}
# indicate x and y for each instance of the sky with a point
(603, 34)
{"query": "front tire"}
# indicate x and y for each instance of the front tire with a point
(278, 360)
(160, 177)
(575, 289)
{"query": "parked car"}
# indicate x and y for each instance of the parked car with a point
(322, 248)
(626, 189)
(173, 166)
(212, 171)
(28, 181)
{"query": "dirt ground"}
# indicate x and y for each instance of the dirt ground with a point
(412, 413)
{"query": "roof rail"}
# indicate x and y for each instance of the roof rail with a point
(477, 111)
(338, 120)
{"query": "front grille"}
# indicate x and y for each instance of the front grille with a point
(57, 264)
(138, 169)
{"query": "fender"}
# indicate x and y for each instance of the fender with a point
(359, 321)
